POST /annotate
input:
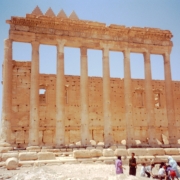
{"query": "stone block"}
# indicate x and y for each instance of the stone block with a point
(137, 151)
(176, 157)
(171, 151)
(120, 152)
(93, 143)
(0, 157)
(5, 149)
(113, 148)
(96, 153)
(109, 161)
(81, 154)
(108, 153)
(32, 147)
(4, 144)
(11, 163)
(159, 159)
(46, 156)
(155, 151)
(100, 143)
(5, 156)
(26, 156)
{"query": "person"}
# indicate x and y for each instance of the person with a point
(132, 165)
(173, 165)
(171, 173)
(162, 173)
(142, 171)
(118, 165)
(148, 170)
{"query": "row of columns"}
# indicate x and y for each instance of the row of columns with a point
(60, 101)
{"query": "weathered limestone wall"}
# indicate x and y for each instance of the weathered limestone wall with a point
(47, 108)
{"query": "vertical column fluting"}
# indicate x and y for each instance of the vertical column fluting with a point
(7, 92)
(169, 100)
(60, 95)
(108, 136)
(128, 99)
(84, 98)
(149, 97)
(34, 96)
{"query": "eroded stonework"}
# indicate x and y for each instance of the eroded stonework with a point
(82, 108)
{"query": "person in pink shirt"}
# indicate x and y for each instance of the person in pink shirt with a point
(118, 165)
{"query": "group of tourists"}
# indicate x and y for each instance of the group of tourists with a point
(166, 171)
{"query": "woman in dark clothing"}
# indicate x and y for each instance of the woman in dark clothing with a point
(132, 165)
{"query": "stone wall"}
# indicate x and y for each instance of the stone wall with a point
(47, 108)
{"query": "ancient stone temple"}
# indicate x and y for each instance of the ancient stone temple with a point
(82, 108)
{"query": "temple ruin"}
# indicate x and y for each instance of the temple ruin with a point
(82, 108)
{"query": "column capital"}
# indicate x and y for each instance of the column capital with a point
(60, 45)
(126, 53)
(7, 43)
(35, 44)
(83, 51)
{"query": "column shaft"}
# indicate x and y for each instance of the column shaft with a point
(34, 96)
(84, 98)
(7, 92)
(149, 96)
(169, 101)
(128, 100)
(60, 96)
(108, 136)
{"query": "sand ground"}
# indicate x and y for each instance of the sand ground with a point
(69, 172)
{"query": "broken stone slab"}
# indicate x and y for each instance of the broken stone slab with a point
(120, 152)
(171, 151)
(46, 156)
(109, 162)
(108, 153)
(96, 153)
(26, 156)
(155, 151)
(93, 142)
(5, 156)
(81, 154)
(11, 163)
(113, 148)
(5, 149)
(137, 151)
(2, 164)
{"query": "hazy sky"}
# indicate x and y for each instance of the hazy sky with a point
(163, 14)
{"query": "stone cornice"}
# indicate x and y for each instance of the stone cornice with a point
(89, 29)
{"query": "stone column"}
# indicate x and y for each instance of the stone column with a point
(84, 98)
(108, 136)
(60, 95)
(149, 96)
(7, 92)
(128, 100)
(34, 97)
(169, 101)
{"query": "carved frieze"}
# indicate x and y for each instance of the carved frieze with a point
(88, 29)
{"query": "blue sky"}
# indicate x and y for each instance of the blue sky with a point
(163, 14)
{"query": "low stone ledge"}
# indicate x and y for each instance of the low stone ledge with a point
(4, 144)
(25, 156)
(108, 153)
(155, 151)
(137, 151)
(46, 156)
(171, 151)
(107, 158)
(5, 156)
(120, 152)
(145, 159)
(159, 159)
(81, 154)
(26, 163)
(109, 162)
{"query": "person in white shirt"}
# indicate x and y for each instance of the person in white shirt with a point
(142, 171)
(162, 173)
(148, 170)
